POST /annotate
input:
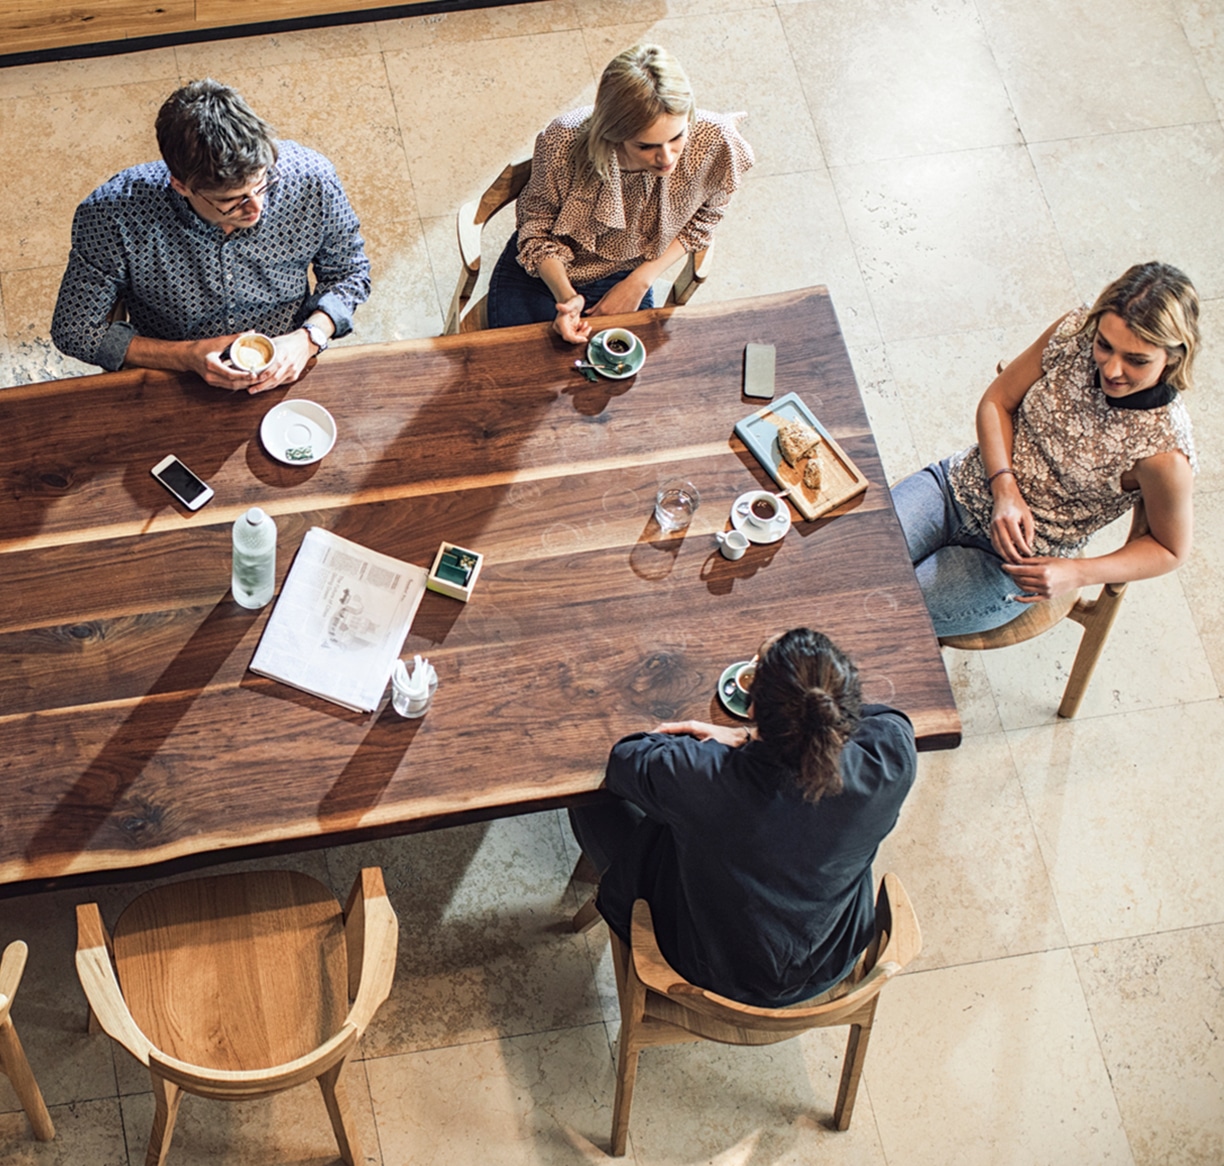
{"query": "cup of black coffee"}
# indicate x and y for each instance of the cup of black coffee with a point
(763, 509)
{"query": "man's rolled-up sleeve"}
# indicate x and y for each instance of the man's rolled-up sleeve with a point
(94, 282)
(340, 265)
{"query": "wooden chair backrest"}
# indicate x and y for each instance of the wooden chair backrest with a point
(897, 942)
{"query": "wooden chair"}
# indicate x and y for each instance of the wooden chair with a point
(470, 225)
(1096, 616)
(13, 1061)
(659, 1007)
(239, 986)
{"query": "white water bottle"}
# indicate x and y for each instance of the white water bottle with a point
(254, 575)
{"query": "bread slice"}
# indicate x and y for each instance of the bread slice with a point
(813, 472)
(796, 440)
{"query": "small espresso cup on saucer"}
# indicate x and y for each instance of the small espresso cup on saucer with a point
(618, 343)
(252, 352)
(763, 510)
(732, 544)
(744, 676)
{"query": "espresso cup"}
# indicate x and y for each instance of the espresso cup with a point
(763, 510)
(732, 544)
(252, 352)
(744, 676)
(619, 344)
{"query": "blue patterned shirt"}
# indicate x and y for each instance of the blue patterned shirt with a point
(182, 278)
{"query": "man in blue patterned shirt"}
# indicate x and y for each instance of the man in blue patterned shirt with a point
(217, 239)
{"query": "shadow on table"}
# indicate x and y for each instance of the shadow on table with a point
(98, 798)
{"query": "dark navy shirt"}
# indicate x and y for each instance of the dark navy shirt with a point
(756, 894)
(182, 278)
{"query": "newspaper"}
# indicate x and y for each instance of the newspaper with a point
(341, 621)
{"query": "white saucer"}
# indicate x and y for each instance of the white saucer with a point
(298, 432)
(733, 704)
(753, 533)
(633, 359)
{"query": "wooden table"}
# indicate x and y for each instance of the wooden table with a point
(131, 732)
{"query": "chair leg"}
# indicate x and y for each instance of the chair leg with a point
(336, 1100)
(852, 1071)
(587, 916)
(17, 1069)
(166, 1098)
(633, 1008)
(1097, 617)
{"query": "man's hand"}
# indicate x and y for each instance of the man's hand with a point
(621, 297)
(569, 324)
(1043, 577)
(703, 731)
(293, 352)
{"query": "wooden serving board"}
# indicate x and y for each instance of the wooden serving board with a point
(841, 480)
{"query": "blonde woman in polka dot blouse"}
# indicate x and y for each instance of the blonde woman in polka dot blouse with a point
(618, 193)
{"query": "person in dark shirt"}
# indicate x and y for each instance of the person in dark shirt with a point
(753, 847)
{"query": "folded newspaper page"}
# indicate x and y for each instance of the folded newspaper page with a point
(341, 620)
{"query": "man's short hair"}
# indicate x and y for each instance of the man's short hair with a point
(211, 139)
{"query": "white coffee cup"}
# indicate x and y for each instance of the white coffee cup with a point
(762, 510)
(252, 352)
(732, 544)
(744, 676)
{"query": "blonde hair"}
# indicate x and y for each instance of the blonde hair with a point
(1158, 304)
(639, 86)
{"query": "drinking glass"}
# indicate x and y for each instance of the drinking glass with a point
(675, 503)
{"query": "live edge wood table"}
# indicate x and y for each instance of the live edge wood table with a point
(132, 734)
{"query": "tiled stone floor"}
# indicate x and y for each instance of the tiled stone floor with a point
(959, 172)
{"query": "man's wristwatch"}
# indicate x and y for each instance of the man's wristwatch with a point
(317, 336)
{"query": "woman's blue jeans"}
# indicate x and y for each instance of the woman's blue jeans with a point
(961, 576)
(518, 298)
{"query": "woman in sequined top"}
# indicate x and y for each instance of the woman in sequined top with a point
(618, 193)
(1083, 424)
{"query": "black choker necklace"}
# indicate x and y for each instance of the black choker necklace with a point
(1153, 398)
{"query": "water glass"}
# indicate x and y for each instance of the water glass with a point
(675, 503)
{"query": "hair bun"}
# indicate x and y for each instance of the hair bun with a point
(821, 708)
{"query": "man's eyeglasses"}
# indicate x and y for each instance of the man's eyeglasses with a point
(234, 205)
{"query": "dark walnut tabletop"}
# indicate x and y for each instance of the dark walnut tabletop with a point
(131, 731)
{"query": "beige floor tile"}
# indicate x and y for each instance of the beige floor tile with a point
(50, 1010)
(413, 32)
(765, 83)
(786, 232)
(1062, 81)
(85, 1132)
(1205, 402)
(29, 300)
(1079, 178)
(844, 48)
(598, 13)
(308, 46)
(318, 114)
(486, 948)
(1200, 578)
(885, 409)
(441, 242)
(1154, 658)
(955, 242)
(96, 133)
(539, 1099)
(1158, 1008)
(1129, 819)
(994, 1064)
(90, 73)
(462, 122)
(741, 1106)
(941, 379)
(975, 701)
(287, 1127)
(965, 849)
(403, 299)
(1203, 21)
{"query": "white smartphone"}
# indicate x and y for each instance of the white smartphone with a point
(759, 361)
(181, 482)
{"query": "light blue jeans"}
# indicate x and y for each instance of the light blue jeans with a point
(961, 576)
